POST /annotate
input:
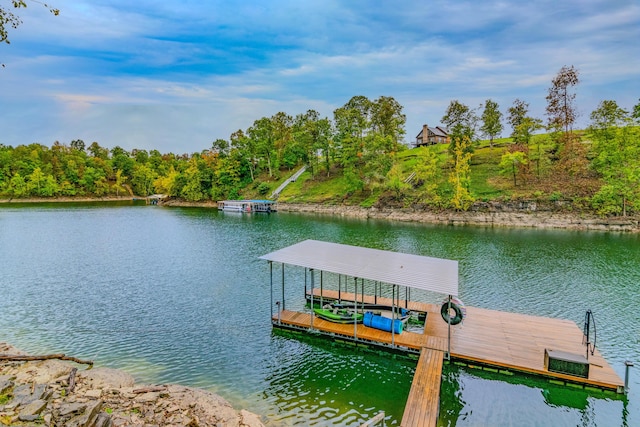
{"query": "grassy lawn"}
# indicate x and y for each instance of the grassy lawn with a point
(487, 182)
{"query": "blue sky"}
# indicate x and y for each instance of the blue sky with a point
(176, 75)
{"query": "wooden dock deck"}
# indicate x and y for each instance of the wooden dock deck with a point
(506, 341)
(423, 403)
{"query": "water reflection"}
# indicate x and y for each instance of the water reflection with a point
(179, 295)
(317, 382)
(471, 394)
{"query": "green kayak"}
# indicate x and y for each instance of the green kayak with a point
(338, 315)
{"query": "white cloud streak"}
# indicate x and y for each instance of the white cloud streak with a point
(177, 75)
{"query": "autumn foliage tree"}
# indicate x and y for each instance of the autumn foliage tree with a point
(561, 109)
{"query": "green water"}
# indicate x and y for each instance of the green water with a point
(179, 295)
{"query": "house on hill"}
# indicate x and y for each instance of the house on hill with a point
(432, 135)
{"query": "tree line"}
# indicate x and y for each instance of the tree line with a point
(361, 145)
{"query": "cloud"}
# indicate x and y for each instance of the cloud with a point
(177, 75)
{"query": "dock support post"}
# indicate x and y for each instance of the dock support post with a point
(283, 286)
(312, 312)
(271, 286)
(375, 292)
(355, 304)
(627, 364)
(393, 315)
(321, 292)
(448, 355)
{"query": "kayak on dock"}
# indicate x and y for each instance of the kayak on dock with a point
(338, 314)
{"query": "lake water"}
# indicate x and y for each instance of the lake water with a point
(179, 295)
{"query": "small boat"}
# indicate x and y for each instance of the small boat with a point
(338, 314)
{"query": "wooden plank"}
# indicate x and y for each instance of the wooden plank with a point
(423, 402)
(497, 338)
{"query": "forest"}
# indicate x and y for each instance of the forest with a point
(360, 156)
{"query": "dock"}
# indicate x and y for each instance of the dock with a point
(423, 403)
(500, 341)
(488, 338)
(510, 341)
(248, 206)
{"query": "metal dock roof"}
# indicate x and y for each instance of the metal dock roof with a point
(414, 271)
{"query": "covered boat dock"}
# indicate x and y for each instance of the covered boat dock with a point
(248, 206)
(495, 340)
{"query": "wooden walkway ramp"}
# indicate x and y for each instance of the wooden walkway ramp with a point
(423, 403)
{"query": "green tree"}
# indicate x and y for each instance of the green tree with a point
(352, 123)
(41, 184)
(616, 147)
(142, 179)
(427, 175)
(605, 120)
(229, 176)
(18, 186)
(461, 121)
(120, 181)
(525, 129)
(97, 151)
(93, 180)
(286, 153)
(77, 144)
(307, 134)
(192, 190)
(377, 159)
(491, 121)
(221, 147)
(396, 182)
(387, 120)
(244, 148)
(511, 162)
(120, 160)
(263, 136)
(517, 113)
(168, 184)
(460, 177)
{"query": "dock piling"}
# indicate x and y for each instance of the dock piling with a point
(627, 364)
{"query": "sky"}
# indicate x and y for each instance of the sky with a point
(177, 75)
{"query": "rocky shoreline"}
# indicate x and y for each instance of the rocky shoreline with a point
(58, 393)
(485, 214)
(522, 214)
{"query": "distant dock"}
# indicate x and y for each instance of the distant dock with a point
(248, 206)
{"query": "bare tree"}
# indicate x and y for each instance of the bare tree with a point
(560, 101)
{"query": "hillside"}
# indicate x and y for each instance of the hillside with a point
(488, 182)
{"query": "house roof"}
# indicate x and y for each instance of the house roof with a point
(414, 271)
(439, 131)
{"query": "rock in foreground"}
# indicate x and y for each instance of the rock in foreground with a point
(46, 393)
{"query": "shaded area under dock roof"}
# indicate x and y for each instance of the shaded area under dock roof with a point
(414, 271)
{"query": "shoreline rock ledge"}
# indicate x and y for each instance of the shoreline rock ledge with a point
(56, 393)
